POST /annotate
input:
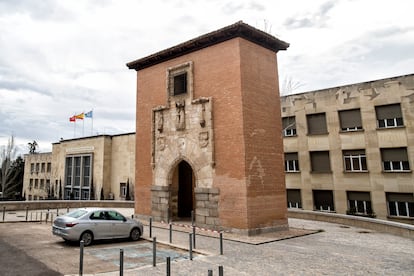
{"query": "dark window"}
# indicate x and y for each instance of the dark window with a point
(294, 198)
(350, 120)
(320, 161)
(78, 176)
(291, 162)
(355, 160)
(316, 123)
(180, 84)
(49, 167)
(389, 116)
(395, 159)
(323, 200)
(359, 203)
(400, 204)
(289, 126)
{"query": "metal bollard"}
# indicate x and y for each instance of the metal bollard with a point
(154, 251)
(210, 272)
(27, 212)
(168, 266)
(81, 258)
(121, 262)
(221, 271)
(41, 213)
(190, 246)
(150, 227)
(192, 218)
(31, 216)
(67, 209)
(51, 218)
(221, 243)
(194, 237)
(4, 212)
(170, 227)
(36, 216)
(57, 211)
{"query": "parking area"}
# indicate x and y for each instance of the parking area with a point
(314, 248)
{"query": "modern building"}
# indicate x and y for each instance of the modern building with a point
(208, 134)
(87, 168)
(37, 176)
(350, 149)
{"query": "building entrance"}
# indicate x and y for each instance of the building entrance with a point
(185, 185)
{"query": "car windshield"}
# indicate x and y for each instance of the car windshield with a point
(76, 213)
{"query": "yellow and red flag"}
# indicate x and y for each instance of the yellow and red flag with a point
(80, 116)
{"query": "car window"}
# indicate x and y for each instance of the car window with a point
(76, 213)
(112, 215)
(97, 215)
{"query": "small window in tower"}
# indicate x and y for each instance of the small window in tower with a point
(180, 84)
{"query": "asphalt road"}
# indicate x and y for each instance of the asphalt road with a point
(15, 262)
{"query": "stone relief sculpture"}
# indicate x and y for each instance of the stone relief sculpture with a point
(203, 139)
(160, 121)
(180, 115)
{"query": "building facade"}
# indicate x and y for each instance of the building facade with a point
(350, 149)
(37, 176)
(87, 168)
(208, 135)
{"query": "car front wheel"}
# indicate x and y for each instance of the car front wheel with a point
(135, 234)
(87, 238)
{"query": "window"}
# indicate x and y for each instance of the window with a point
(43, 167)
(49, 167)
(320, 161)
(294, 198)
(36, 185)
(355, 160)
(291, 162)
(395, 160)
(359, 203)
(37, 167)
(323, 200)
(400, 204)
(389, 116)
(289, 126)
(316, 123)
(32, 168)
(31, 184)
(122, 189)
(180, 80)
(180, 84)
(78, 176)
(350, 120)
(42, 184)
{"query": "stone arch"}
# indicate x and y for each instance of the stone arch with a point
(182, 183)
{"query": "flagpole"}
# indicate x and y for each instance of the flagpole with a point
(83, 126)
(92, 124)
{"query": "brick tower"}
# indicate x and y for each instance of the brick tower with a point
(208, 132)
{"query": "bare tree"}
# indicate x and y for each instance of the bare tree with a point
(290, 86)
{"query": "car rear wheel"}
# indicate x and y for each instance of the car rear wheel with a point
(87, 238)
(135, 234)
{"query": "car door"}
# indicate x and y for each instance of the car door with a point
(101, 226)
(120, 227)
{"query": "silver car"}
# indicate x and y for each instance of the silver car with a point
(89, 224)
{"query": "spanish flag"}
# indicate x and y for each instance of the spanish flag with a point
(72, 119)
(80, 116)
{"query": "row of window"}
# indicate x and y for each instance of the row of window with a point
(40, 167)
(388, 116)
(359, 203)
(393, 160)
(38, 183)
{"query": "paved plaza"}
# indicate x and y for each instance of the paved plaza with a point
(317, 248)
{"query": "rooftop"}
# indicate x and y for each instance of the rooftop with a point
(239, 29)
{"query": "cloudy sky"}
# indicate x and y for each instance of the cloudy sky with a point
(62, 57)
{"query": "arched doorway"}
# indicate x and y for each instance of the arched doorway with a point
(183, 190)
